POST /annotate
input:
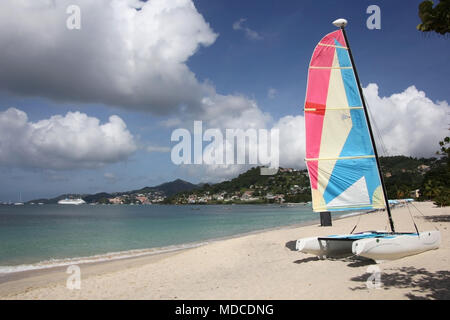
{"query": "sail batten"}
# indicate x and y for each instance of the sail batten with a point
(330, 67)
(332, 108)
(331, 45)
(340, 157)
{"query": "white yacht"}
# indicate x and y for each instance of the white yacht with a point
(72, 201)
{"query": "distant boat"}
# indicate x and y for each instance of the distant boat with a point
(342, 159)
(20, 203)
(72, 201)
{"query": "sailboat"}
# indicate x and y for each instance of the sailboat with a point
(342, 158)
(20, 203)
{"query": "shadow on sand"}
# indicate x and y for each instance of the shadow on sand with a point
(291, 245)
(353, 261)
(443, 218)
(305, 260)
(422, 283)
(356, 262)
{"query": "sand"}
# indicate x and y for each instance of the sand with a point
(258, 266)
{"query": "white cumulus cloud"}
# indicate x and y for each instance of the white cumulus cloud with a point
(233, 111)
(127, 53)
(62, 142)
(410, 123)
(292, 141)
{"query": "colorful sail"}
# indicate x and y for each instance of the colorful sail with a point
(339, 154)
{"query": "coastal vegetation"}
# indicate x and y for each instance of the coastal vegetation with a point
(287, 185)
(436, 183)
(405, 177)
(435, 18)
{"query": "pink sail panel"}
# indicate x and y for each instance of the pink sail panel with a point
(316, 97)
(332, 36)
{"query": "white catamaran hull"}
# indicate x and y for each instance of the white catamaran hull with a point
(332, 246)
(397, 246)
(322, 248)
(374, 245)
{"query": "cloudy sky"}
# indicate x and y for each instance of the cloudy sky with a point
(90, 110)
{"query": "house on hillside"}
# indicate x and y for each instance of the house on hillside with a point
(415, 193)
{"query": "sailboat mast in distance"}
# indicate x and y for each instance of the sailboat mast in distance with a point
(341, 155)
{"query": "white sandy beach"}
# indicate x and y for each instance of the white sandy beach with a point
(257, 266)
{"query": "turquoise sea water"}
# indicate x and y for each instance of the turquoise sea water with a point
(51, 233)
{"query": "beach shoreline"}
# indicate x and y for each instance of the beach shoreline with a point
(16, 270)
(6, 271)
(255, 265)
(14, 281)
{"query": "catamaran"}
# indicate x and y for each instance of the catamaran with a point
(342, 158)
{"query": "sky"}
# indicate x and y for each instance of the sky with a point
(93, 109)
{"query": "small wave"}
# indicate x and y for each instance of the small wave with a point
(52, 263)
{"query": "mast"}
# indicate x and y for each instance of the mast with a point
(341, 23)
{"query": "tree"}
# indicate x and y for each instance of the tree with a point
(435, 19)
(427, 190)
(436, 184)
(445, 149)
(443, 198)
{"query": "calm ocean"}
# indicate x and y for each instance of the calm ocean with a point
(41, 236)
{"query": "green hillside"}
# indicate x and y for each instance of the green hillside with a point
(402, 176)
